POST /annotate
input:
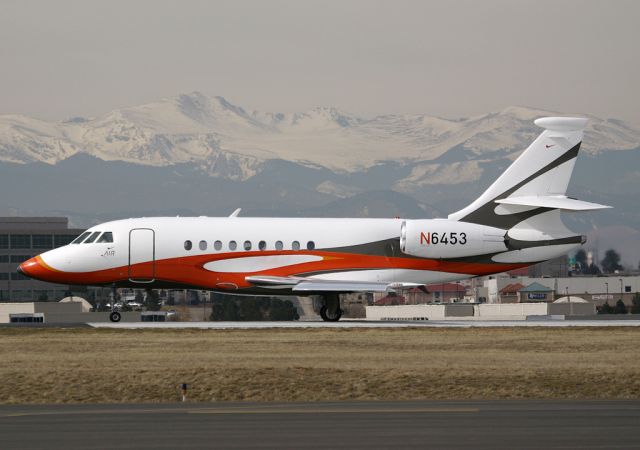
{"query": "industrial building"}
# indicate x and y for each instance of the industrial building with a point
(22, 238)
(71, 310)
(482, 311)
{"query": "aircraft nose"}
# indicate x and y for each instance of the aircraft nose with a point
(32, 268)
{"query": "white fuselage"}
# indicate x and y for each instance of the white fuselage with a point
(220, 253)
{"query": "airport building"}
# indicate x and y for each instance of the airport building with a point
(596, 290)
(22, 238)
(507, 297)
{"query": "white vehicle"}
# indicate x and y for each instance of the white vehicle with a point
(134, 304)
(514, 223)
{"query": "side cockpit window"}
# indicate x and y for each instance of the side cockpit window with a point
(92, 238)
(106, 238)
(81, 238)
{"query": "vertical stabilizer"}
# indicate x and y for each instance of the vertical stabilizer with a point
(534, 183)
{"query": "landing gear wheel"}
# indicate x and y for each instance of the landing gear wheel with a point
(330, 316)
(115, 316)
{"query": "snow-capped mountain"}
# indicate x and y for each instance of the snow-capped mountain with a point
(229, 142)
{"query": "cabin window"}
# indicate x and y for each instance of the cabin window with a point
(202, 245)
(295, 245)
(233, 245)
(188, 245)
(217, 245)
(247, 245)
(92, 238)
(262, 245)
(311, 245)
(106, 238)
(81, 238)
(279, 245)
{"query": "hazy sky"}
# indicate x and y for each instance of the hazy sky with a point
(448, 58)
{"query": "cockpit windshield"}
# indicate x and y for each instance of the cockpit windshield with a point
(106, 238)
(92, 238)
(81, 238)
(89, 237)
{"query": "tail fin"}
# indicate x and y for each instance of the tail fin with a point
(536, 182)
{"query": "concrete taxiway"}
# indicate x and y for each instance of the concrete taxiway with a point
(373, 324)
(415, 424)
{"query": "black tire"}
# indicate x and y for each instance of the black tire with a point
(330, 318)
(115, 316)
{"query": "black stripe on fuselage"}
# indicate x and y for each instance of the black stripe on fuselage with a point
(390, 248)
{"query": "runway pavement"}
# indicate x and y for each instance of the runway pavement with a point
(371, 425)
(372, 324)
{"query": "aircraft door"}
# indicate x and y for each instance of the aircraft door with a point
(142, 250)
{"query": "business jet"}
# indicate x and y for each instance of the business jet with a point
(514, 223)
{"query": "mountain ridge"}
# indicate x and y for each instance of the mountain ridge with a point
(228, 141)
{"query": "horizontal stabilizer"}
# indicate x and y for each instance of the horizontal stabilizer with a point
(552, 201)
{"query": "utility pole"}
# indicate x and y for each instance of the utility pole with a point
(621, 294)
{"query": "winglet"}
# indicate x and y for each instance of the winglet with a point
(236, 212)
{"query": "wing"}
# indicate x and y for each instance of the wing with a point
(300, 284)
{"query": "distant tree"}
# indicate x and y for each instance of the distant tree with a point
(216, 312)
(224, 308)
(605, 308)
(216, 306)
(592, 270)
(231, 307)
(282, 310)
(620, 307)
(249, 309)
(581, 260)
(194, 298)
(152, 302)
(635, 304)
(611, 261)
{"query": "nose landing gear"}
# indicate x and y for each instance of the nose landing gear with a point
(115, 315)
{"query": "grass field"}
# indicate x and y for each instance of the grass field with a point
(87, 365)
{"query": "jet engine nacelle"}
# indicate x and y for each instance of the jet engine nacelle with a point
(443, 238)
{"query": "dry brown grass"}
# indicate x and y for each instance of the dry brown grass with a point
(86, 365)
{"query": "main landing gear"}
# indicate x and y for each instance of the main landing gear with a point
(330, 311)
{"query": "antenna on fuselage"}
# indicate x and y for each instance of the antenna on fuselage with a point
(236, 212)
